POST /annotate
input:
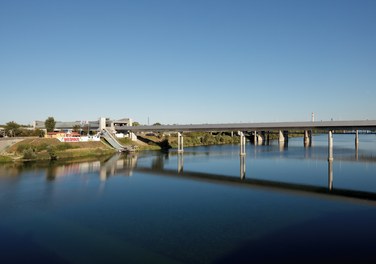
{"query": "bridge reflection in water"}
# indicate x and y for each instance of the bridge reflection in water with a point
(126, 165)
(122, 164)
(305, 189)
(328, 192)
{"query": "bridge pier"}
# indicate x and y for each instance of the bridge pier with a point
(307, 138)
(283, 136)
(267, 138)
(263, 138)
(258, 138)
(255, 137)
(356, 139)
(180, 143)
(242, 143)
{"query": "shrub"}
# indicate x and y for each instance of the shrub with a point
(29, 153)
(39, 132)
(52, 153)
(22, 147)
(5, 159)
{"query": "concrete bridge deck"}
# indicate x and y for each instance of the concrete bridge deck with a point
(256, 128)
(271, 126)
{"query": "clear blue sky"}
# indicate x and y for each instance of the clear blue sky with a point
(187, 61)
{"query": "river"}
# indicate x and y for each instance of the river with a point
(277, 204)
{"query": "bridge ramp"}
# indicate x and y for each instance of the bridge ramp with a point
(107, 135)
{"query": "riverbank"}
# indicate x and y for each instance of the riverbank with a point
(159, 141)
(52, 149)
(29, 149)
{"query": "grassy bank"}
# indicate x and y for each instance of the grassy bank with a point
(160, 141)
(193, 139)
(53, 149)
(4, 159)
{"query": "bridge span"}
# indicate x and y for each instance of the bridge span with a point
(270, 126)
(260, 131)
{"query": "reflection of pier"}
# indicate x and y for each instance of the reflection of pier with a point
(329, 190)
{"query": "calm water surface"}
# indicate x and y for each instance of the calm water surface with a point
(279, 204)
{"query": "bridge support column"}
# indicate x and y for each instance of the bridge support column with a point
(242, 143)
(356, 139)
(307, 138)
(283, 139)
(267, 138)
(180, 143)
(255, 137)
(283, 136)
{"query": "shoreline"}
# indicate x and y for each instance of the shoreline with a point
(47, 149)
(35, 149)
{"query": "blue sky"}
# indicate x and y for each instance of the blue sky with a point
(182, 62)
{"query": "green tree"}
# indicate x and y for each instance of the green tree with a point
(157, 124)
(39, 132)
(50, 124)
(12, 129)
(76, 128)
(135, 124)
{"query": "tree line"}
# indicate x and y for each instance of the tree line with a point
(13, 129)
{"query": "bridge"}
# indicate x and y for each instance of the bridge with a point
(260, 131)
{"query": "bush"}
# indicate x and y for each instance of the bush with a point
(52, 153)
(208, 139)
(39, 132)
(22, 147)
(4, 159)
(29, 153)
